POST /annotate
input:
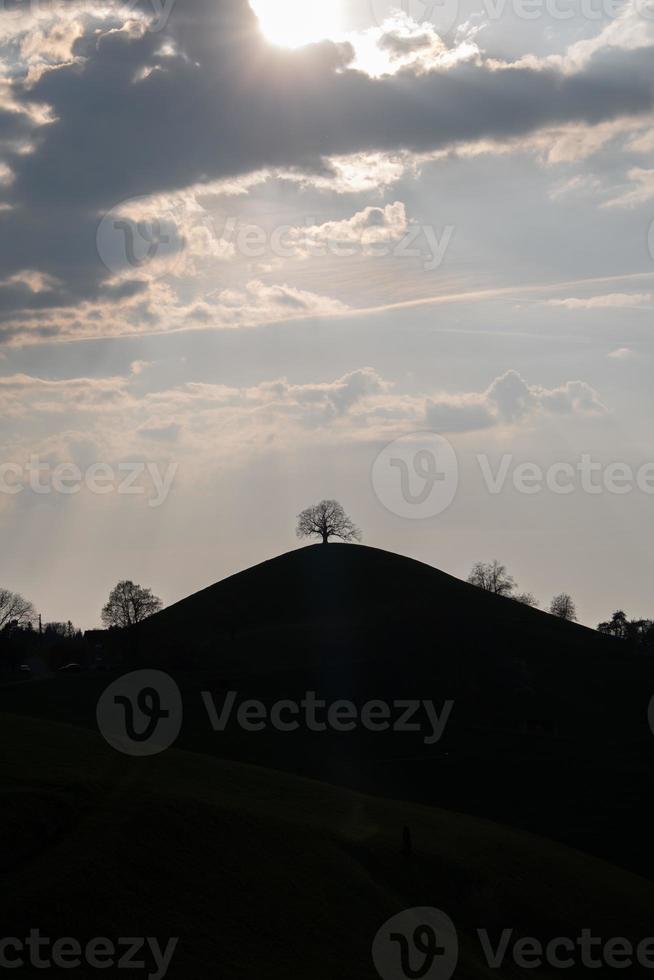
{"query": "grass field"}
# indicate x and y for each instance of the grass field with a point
(262, 874)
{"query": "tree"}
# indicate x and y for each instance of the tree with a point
(129, 604)
(62, 631)
(618, 626)
(493, 577)
(327, 520)
(527, 599)
(564, 607)
(15, 611)
(639, 633)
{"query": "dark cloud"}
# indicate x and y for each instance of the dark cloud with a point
(14, 126)
(400, 44)
(227, 104)
(207, 98)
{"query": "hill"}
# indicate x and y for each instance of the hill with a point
(547, 726)
(261, 874)
(350, 602)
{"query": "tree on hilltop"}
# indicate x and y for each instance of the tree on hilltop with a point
(327, 520)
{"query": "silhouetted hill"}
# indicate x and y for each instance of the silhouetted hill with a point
(356, 622)
(546, 714)
(347, 601)
(548, 721)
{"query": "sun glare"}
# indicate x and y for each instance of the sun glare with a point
(293, 23)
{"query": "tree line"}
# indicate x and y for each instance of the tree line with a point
(22, 634)
(494, 577)
(24, 638)
(638, 633)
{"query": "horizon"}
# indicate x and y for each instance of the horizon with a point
(421, 266)
(542, 603)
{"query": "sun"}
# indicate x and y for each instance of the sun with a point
(293, 23)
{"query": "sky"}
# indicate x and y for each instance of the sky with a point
(254, 255)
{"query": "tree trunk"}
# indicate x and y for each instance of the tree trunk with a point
(325, 537)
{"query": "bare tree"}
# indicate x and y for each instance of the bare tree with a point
(564, 607)
(493, 577)
(527, 599)
(15, 611)
(327, 520)
(129, 604)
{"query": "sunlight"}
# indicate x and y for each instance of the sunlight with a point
(293, 23)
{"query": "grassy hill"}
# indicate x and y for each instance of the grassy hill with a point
(351, 602)
(262, 874)
(548, 733)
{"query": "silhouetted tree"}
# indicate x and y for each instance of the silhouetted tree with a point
(62, 631)
(15, 611)
(129, 604)
(563, 606)
(641, 632)
(493, 577)
(327, 520)
(527, 599)
(617, 626)
(638, 632)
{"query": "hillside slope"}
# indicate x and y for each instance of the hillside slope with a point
(357, 623)
(344, 600)
(548, 729)
(265, 875)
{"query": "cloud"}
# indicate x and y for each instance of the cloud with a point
(133, 309)
(640, 193)
(322, 403)
(212, 48)
(309, 106)
(510, 400)
(631, 30)
(107, 110)
(262, 303)
(138, 367)
(642, 142)
(121, 420)
(366, 229)
(579, 184)
(462, 413)
(622, 354)
(577, 142)
(608, 301)
(401, 43)
(34, 281)
(166, 432)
